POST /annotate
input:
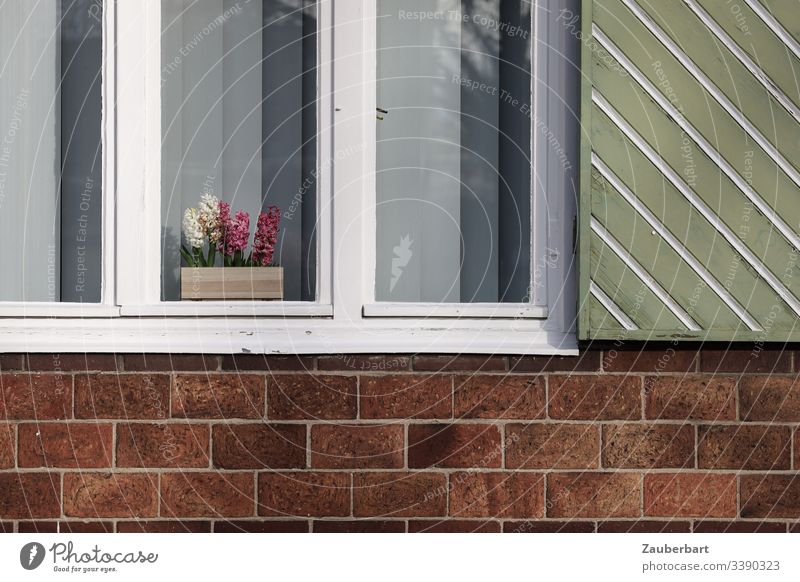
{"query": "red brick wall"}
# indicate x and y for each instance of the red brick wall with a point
(623, 438)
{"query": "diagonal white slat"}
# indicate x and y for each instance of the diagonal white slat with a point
(698, 138)
(744, 58)
(611, 307)
(775, 25)
(687, 192)
(712, 90)
(674, 243)
(644, 275)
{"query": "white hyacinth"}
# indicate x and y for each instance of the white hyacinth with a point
(209, 216)
(192, 229)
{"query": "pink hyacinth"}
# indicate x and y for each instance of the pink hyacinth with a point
(266, 236)
(237, 232)
(223, 222)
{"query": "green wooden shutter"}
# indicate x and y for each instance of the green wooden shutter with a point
(690, 178)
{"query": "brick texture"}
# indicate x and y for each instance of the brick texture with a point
(648, 438)
(66, 445)
(703, 495)
(357, 446)
(104, 495)
(489, 397)
(406, 396)
(162, 445)
(122, 396)
(259, 446)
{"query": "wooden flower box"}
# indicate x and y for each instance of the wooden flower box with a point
(231, 283)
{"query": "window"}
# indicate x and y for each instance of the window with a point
(414, 151)
(51, 185)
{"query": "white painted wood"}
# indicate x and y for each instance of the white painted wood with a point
(346, 142)
(469, 310)
(249, 335)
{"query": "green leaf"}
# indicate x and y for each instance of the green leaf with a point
(187, 256)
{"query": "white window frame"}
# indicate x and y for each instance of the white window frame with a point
(345, 318)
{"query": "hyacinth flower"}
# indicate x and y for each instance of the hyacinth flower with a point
(212, 223)
(266, 237)
(237, 233)
(195, 237)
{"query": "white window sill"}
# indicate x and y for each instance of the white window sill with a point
(269, 336)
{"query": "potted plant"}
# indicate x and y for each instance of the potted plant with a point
(209, 231)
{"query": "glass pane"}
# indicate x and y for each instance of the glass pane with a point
(239, 125)
(453, 150)
(50, 150)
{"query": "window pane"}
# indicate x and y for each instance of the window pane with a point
(50, 150)
(453, 150)
(239, 125)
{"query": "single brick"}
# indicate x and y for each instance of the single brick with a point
(7, 445)
(35, 397)
(311, 397)
(6, 527)
(601, 495)
(359, 526)
(648, 446)
(259, 446)
(770, 398)
(364, 363)
(163, 445)
(261, 526)
(501, 397)
(650, 358)
(37, 527)
(497, 495)
(337, 446)
(399, 495)
(739, 527)
(170, 526)
(453, 526)
(690, 495)
(770, 496)
(796, 449)
(253, 362)
(304, 494)
(552, 446)
(9, 362)
(72, 362)
(77, 527)
(170, 363)
(743, 359)
(691, 397)
(745, 447)
(124, 396)
(587, 361)
(644, 526)
(66, 445)
(186, 495)
(406, 396)
(29, 495)
(595, 397)
(460, 363)
(104, 495)
(218, 396)
(548, 526)
(454, 445)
